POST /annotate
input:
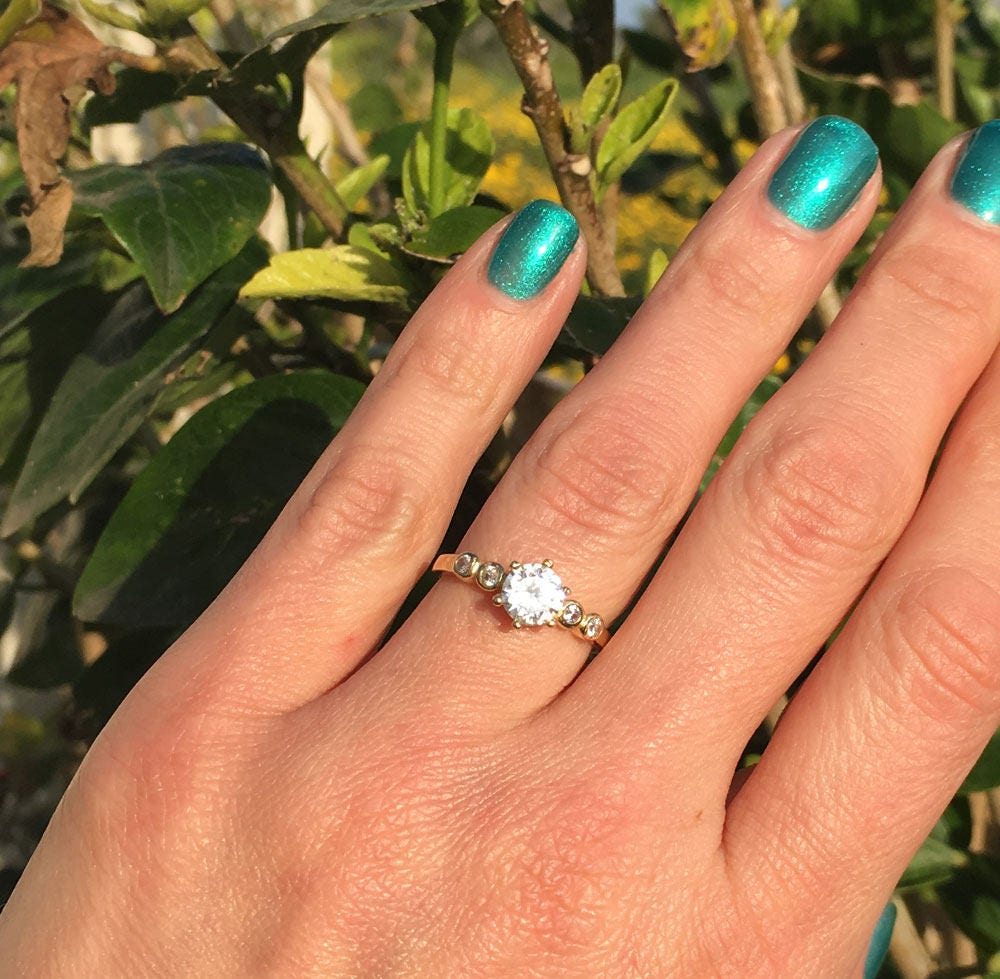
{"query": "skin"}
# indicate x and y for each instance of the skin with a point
(271, 799)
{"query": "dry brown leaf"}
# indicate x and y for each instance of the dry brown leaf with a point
(54, 61)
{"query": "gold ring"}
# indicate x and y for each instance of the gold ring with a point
(531, 594)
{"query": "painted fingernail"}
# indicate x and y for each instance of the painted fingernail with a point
(533, 248)
(823, 173)
(880, 941)
(976, 181)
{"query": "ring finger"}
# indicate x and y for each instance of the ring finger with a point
(613, 468)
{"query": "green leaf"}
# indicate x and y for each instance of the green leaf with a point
(985, 774)
(764, 392)
(972, 900)
(468, 154)
(394, 143)
(33, 360)
(343, 272)
(207, 498)
(595, 323)
(934, 863)
(601, 96)
(22, 291)
(343, 11)
(454, 232)
(988, 14)
(705, 29)
(361, 180)
(183, 215)
(111, 387)
(633, 131)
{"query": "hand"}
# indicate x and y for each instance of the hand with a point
(273, 799)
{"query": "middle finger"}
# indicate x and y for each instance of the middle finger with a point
(613, 468)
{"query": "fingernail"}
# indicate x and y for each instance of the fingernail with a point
(880, 941)
(823, 173)
(976, 181)
(533, 248)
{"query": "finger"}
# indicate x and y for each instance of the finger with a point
(330, 575)
(879, 738)
(613, 468)
(814, 494)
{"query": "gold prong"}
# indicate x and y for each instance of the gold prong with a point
(568, 592)
(518, 624)
(547, 563)
(515, 564)
(551, 623)
(497, 600)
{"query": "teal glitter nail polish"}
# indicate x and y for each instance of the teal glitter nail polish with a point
(976, 181)
(533, 249)
(880, 941)
(823, 173)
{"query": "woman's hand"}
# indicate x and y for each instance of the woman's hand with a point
(273, 800)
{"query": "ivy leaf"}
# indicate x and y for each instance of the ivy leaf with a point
(764, 392)
(110, 388)
(468, 154)
(208, 497)
(633, 131)
(705, 30)
(183, 215)
(454, 232)
(344, 11)
(985, 774)
(344, 272)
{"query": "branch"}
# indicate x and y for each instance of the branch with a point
(906, 948)
(764, 83)
(944, 56)
(529, 55)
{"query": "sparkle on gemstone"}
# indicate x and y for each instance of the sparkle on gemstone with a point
(489, 575)
(572, 614)
(533, 594)
(592, 627)
(464, 565)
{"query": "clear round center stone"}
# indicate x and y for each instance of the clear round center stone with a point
(533, 594)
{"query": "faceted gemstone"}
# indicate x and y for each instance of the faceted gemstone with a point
(533, 594)
(464, 564)
(489, 575)
(572, 614)
(592, 627)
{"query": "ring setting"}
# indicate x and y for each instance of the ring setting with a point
(532, 594)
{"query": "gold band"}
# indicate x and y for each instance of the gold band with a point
(544, 602)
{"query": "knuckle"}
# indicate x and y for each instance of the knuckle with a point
(607, 474)
(739, 280)
(818, 495)
(375, 497)
(927, 280)
(456, 364)
(943, 642)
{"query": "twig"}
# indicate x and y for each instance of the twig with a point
(907, 950)
(529, 55)
(944, 56)
(761, 72)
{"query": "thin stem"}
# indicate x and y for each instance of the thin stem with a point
(944, 56)
(529, 55)
(769, 107)
(444, 63)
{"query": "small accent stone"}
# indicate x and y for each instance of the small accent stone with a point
(490, 575)
(592, 626)
(533, 594)
(572, 614)
(465, 564)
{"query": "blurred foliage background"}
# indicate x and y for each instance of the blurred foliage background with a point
(252, 200)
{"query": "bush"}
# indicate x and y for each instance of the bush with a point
(170, 327)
